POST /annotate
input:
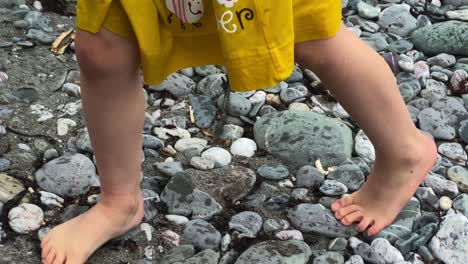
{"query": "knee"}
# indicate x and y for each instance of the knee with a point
(98, 56)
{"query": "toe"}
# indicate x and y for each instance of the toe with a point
(45, 252)
(351, 218)
(59, 259)
(343, 202)
(375, 228)
(364, 224)
(50, 257)
(343, 212)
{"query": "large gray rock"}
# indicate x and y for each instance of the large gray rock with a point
(447, 37)
(202, 234)
(304, 137)
(397, 20)
(284, 252)
(70, 175)
(317, 219)
(450, 244)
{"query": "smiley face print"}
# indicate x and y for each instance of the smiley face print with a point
(188, 11)
(227, 3)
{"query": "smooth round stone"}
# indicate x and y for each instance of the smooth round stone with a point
(5, 44)
(355, 259)
(291, 94)
(21, 24)
(152, 142)
(366, 10)
(257, 100)
(296, 76)
(459, 175)
(461, 204)
(177, 219)
(413, 112)
(437, 124)
(25, 218)
(204, 110)
(273, 172)
(420, 103)
(277, 88)
(70, 175)
(178, 85)
(443, 60)
(169, 168)
(231, 132)
(299, 194)
(290, 235)
(453, 151)
(83, 142)
(41, 36)
(9, 187)
(439, 76)
(245, 147)
(445, 203)
(463, 130)
(450, 244)
(397, 20)
(338, 244)
(329, 257)
(298, 107)
(72, 89)
(400, 46)
(387, 252)
(377, 42)
(333, 188)
(364, 147)
(427, 198)
(247, 223)
(309, 177)
(212, 85)
(452, 106)
(202, 234)
(238, 105)
(406, 63)
(5, 164)
(272, 226)
(25, 43)
(350, 175)
(271, 252)
(441, 38)
(188, 143)
(442, 186)
(51, 200)
(201, 163)
(219, 156)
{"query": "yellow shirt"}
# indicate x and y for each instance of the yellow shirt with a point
(254, 39)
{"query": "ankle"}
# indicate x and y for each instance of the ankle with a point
(128, 203)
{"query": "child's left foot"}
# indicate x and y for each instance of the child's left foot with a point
(388, 189)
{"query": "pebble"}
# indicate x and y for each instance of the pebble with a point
(309, 177)
(231, 132)
(225, 242)
(202, 234)
(273, 172)
(202, 163)
(152, 142)
(207, 70)
(299, 194)
(434, 91)
(292, 94)
(51, 200)
(177, 219)
(298, 107)
(5, 164)
(9, 187)
(338, 244)
(386, 251)
(443, 60)
(364, 147)
(460, 204)
(355, 259)
(427, 198)
(348, 174)
(204, 110)
(397, 19)
(273, 226)
(459, 175)
(437, 124)
(368, 11)
(212, 85)
(169, 168)
(445, 203)
(68, 176)
(463, 131)
(72, 89)
(438, 38)
(333, 188)
(178, 254)
(25, 218)
(171, 237)
(177, 84)
(329, 257)
(238, 105)
(245, 147)
(290, 235)
(272, 252)
(187, 143)
(450, 244)
(441, 186)
(247, 224)
(219, 156)
(317, 219)
(257, 100)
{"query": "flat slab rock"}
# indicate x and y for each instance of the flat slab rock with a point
(317, 219)
(284, 252)
(450, 244)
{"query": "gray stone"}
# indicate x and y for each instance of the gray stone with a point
(355, 259)
(386, 251)
(329, 257)
(427, 198)
(443, 60)
(463, 130)
(212, 85)
(434, 90)
(83, 142)
(300, 194)
(151, 200)
(207, 70)
(41, 36)
(204, 206)
(338, 244)
(169, 168)
(189, 143)
(333, 188)
(247, 223)
(317, 219)
(453, 107)
(309, 177)
(400, 46)
(459, 175)
(364, 147)
(436, 123)
(368, 254)
(202, 234)
(450, 244)
(366, 10)
(152, 142)
(177, 84)
(273, 172)
(453, 151)
(25, 218)
(460, 204)
(296, 76)
(204, 110)
(258, 101)
(231, 132)
(377, 42)
(397, 20)
(238, 104)
(245, 147)
(178, 254)
(441, 186)
(291, 94)
(70, 175)
(446, 37)
(219, 156)
(207, 256)
(202, 163)
(304, 137)
(285, 252)
(350, 175)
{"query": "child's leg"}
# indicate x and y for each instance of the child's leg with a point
(113, 104)
(362, 82)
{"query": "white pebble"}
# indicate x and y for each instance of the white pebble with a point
(148, 229)
(245, 147)
(171, 237)
(38, 5)
(220, 156)
(24, 147)
(177, 219)
(186, 143)
(353, 242)
(339, 111)
(93, 199)
(51, 200)
(286, 183)
(389, 253)
(225, 242)
(290, 235)
(150, 252)
(25, 218)
(445, 203)
(63, 125)
(43, 232)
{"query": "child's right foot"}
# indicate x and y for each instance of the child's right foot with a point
(388, 189)
(73, 242)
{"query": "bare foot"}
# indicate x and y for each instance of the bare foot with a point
(73, 242)
(388, 189)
